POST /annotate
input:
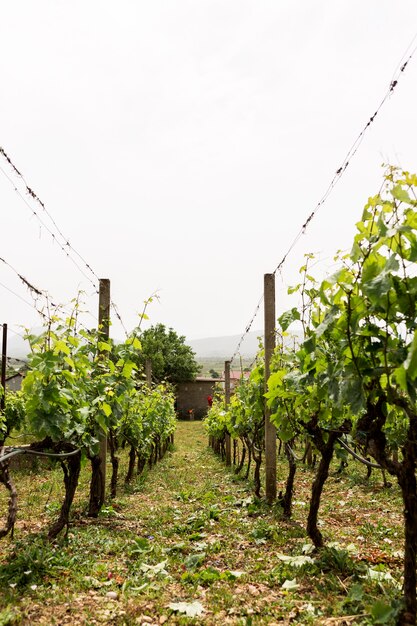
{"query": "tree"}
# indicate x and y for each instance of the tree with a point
(171, 359)
(214, 374)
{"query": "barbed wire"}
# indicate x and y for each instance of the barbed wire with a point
(247, 329)
(64, 244)
(336, 178)
(37, 199)
(16, 294)
(64, 247)
(114, 307)
(36, 293)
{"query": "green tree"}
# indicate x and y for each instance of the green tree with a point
(171, 359)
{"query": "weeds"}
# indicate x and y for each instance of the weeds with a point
(189, 533)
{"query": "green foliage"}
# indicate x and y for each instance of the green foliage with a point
(14, 414)
(73, 390)
(216, 420)
(355, 370)
(148, 417)
(56, 387)
(360, 341)
(171, 359)
(32, 563)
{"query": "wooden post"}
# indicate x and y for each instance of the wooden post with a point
(270, 430)
(227, 402)
(3, 368)
(104, 331)
(98, 478)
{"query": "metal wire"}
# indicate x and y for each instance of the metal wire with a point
(337, 176)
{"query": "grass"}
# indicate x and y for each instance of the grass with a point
(217, 364)
(189, 544)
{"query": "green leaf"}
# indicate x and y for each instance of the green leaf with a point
(400, 376)
(128, 369)
(288, 318)
(284, 427)
(382, 613)
(297, 561)
(103, 346)
(61, 346)
(401, 194)
(194, 560)
(69, 362)
(351, 391)
(137, 344)
(411, 361)
(190, 609)
(107, 410)
(310, 344)
(288, 585)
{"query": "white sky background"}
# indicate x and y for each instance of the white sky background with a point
(180, 145)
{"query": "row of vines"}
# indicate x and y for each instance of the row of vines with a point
(343, 375)
(80, 388)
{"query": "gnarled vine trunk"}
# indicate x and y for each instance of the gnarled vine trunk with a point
(286, 499)
(372, 424)
(326, 449)
(96, 487)
(141, 464)
(114, 462)
(242, 460)
(71, 467)
(6, 480)
(131, 466)
(408, 484)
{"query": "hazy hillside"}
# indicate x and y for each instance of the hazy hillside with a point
(224, 347)
(17, 347)
(221, 348)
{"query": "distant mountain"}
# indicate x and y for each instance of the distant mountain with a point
(225, 347)
(17, 347)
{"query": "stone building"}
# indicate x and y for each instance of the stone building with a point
(192, 397)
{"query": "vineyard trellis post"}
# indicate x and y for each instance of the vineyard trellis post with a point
(227, 401)
(104, 330)
(98, 478)
(3, 368)
(270, 430)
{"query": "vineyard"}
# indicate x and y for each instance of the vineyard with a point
(81, 390)
(348, 387)
(180, 538)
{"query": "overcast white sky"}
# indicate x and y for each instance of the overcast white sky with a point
(179, 145)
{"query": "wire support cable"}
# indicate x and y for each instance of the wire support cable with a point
(5, 456)
(17, 296)
(36, 293)
(115, 309)
(358, 457)
(57, 236)
(338, 175)
(349, 155)
(247, 329)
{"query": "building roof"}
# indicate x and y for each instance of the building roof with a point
(237, 374)
(14, 375)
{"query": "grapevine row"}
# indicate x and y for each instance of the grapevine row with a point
(78, 388)
(351, 376)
